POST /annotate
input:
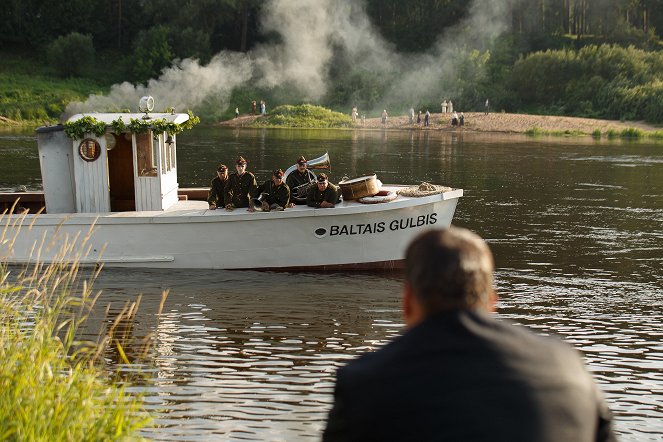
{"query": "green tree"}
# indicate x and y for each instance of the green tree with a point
(71, 54)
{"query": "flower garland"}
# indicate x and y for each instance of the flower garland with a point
(88, 124)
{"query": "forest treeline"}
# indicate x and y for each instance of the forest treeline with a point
(598, 58)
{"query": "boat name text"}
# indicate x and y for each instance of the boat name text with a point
(379, 227)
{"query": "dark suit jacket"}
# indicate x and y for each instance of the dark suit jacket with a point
(465, 376)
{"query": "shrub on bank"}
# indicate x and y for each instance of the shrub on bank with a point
(305, 115)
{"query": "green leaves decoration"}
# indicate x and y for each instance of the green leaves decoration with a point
(77, 129)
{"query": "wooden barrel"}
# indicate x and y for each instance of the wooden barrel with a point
(359, 187)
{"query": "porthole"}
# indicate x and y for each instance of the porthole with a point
(320, 232)
(89, 149)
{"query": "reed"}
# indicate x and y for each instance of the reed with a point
(632, 132)
(54, 386)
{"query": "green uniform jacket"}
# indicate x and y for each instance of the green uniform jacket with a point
(277, 195)
(215, 195)
(315, 197)
(297, 179)
(238, 190)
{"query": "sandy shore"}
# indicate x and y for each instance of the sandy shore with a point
(492, 122)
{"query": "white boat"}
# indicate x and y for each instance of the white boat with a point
(122, 189)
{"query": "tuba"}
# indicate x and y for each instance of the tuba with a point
(321, 162)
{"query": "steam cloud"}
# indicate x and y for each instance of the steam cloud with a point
(311, 33)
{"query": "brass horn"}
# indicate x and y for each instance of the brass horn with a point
(321, 162)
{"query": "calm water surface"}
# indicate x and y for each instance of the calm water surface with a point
(576, 227)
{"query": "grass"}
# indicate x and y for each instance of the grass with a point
(31, 93)
(54, 387)
(304, 116)
(537, 131)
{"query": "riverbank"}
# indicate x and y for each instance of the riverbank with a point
(492, 122)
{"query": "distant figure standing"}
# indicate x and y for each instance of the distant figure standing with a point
(263, 108)
(458, 373)
(419, 119)
(384, 116)
(411, 115)
(253, 107)
(363, 119)
(426, 118)
(461, 119)
(487, 106)
(454, 119)
(354, 114)
(236, 112)
(450, 106)
(444, 107)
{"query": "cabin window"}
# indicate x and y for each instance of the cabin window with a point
(168, 147)
(146, 155)
(171, 151)
(89, 149)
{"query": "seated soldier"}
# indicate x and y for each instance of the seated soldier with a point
(275, 194)
(299, 181)
(215, 196)
(323, 195)
(239, 187)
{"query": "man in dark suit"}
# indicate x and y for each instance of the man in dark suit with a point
(459, 374)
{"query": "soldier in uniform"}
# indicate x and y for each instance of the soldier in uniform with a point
(276, 193)
(215, 196)
(239, 186)
(323, 195)
(298, 180)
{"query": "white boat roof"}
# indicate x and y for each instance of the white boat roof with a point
(108, 118)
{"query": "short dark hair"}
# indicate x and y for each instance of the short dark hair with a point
(449, 269)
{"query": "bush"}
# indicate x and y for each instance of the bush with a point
(305, 115)
(70, 55)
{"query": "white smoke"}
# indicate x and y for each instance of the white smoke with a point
(310, 31)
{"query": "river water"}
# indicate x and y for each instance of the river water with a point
(576, 226)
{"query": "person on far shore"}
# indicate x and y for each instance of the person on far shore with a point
(486, 107)
(450, 106)
(458, 373)
(215, 195)
(419, 119)
(253, 107)
(236, 112)
(444, 107)
(454, 119)
(239, 187)
(426, 118)
(411, 115)
(324, 195)
(354, 114)
(461, 119)
(384, 117)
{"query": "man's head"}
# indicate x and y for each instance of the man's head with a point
(322, 181)
(447, 270)
(277, 177)
(222, 170)
(240, 165)
(301, 164)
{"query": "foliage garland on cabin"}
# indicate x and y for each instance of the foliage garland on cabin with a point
(88, 124)
(77, 129)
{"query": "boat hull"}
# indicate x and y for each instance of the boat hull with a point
(350, 236)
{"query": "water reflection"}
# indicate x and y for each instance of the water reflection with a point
(576, 226)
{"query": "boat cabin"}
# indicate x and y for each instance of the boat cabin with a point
(112, 172)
